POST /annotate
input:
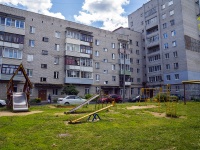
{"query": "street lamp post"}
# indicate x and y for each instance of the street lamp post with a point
(124, 75)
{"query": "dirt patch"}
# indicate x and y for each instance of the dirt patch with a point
(8, 113)
(59, 114)
(156, 114)
(142, 107)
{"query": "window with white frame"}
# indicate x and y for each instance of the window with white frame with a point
(175, 65)
(174, 43)
(166, 46)
(164, 25)
(165, 35)
(57, 34)
(97, 77)
(105, 82)
(55, 91)
(32, 29)
(9, 52)
(113, 45)
(30, 72)
(72, 47)
(43, 79)
(87, 90)
(73, 73)
(177, 88)
(171, 12)
(32, 43)
(113, 78)
(29, 58)
(167, 56)
(163, 6)
(113, 56)
(56, 75)
(97, 53)
(163, 16)
(113, 66)
(176, 76)
(97, 66)
(175, 54)
(57, 47)
(105, 49)
(168, 77)
(167, 66)
(56, 60)
(97, 42)
(173, 33)
(105, 60)
(170, 3)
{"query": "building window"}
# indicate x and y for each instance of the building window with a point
(137, 43)
(170, 3)
(97, 66)
(167, 55)
(97, 53)
(85, 49)
(138, 70)
(168, 77)
(9, 52)
(172, 22)
(165, 35)
(43, 79)
(171, 12)
(163, 6)
(55, 91)
(30, 72)
(113, 67)
(75, 47)
(174, 43)
(105, 49)
(130, 42)
(97, 42)
(57, 34)
(166, 46)
(9, 69)
(20, 24)
(45, 39)
(44, 66)
(138, 61)
(57, 47)
(167, 66)
(105, 60)
(97, 77)
(31, 43)
(175, 65)
(29, 58)
(113, 78)
(138, 80)
(105, 82)
(163, 16)
(56, 60)
(173, 33)
(105, 71)
(32, 29)
(56, 74)
(164, 25)
(137, 52)
(113, 45)
(87, 90)
(113, 56)
(73, 73)
(175, 54)
(176, 76)
(177, 88)
(44, 52)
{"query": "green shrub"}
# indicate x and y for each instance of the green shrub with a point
(87, 96)
(38, 100)
(162, 98)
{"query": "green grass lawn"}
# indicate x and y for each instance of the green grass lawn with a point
(118, 129)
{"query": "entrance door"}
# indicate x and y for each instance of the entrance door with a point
(42, 94)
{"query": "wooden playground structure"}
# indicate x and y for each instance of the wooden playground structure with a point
(26, 88)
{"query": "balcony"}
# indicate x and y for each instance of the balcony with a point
(13, 45)
(81, 68)
(127, 61)
(78, 80)
(11, 29)
(121, 72)
(7, 77)
(77, 54)
(76, 41)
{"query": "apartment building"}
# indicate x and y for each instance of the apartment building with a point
(171, 41)
(58, 52)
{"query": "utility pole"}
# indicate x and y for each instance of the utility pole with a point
(124, 73)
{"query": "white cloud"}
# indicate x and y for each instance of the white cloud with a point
(37, 6)
(109, 12)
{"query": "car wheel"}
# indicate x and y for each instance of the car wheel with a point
(67, 103)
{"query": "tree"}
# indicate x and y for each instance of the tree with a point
(69, 90)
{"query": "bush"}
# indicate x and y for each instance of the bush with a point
(87, 96)
(38, 100)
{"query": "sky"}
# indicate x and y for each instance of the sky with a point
(104, 14)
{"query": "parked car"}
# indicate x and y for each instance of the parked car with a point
(137, 99)
(70, 99)
(109, 98)
(2, 102)
(180, 97)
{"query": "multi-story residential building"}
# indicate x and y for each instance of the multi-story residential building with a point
(171, 38)
(56, 52)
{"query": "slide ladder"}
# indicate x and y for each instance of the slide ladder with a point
(79, 106)
(20, 102)
(77, 120)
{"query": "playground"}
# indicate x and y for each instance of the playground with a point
(119, 128)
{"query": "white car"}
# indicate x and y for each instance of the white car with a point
(2, 102)
(70, 99)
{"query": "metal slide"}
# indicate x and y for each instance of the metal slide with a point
(77, 120)
(92, 98)
(20, 101)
